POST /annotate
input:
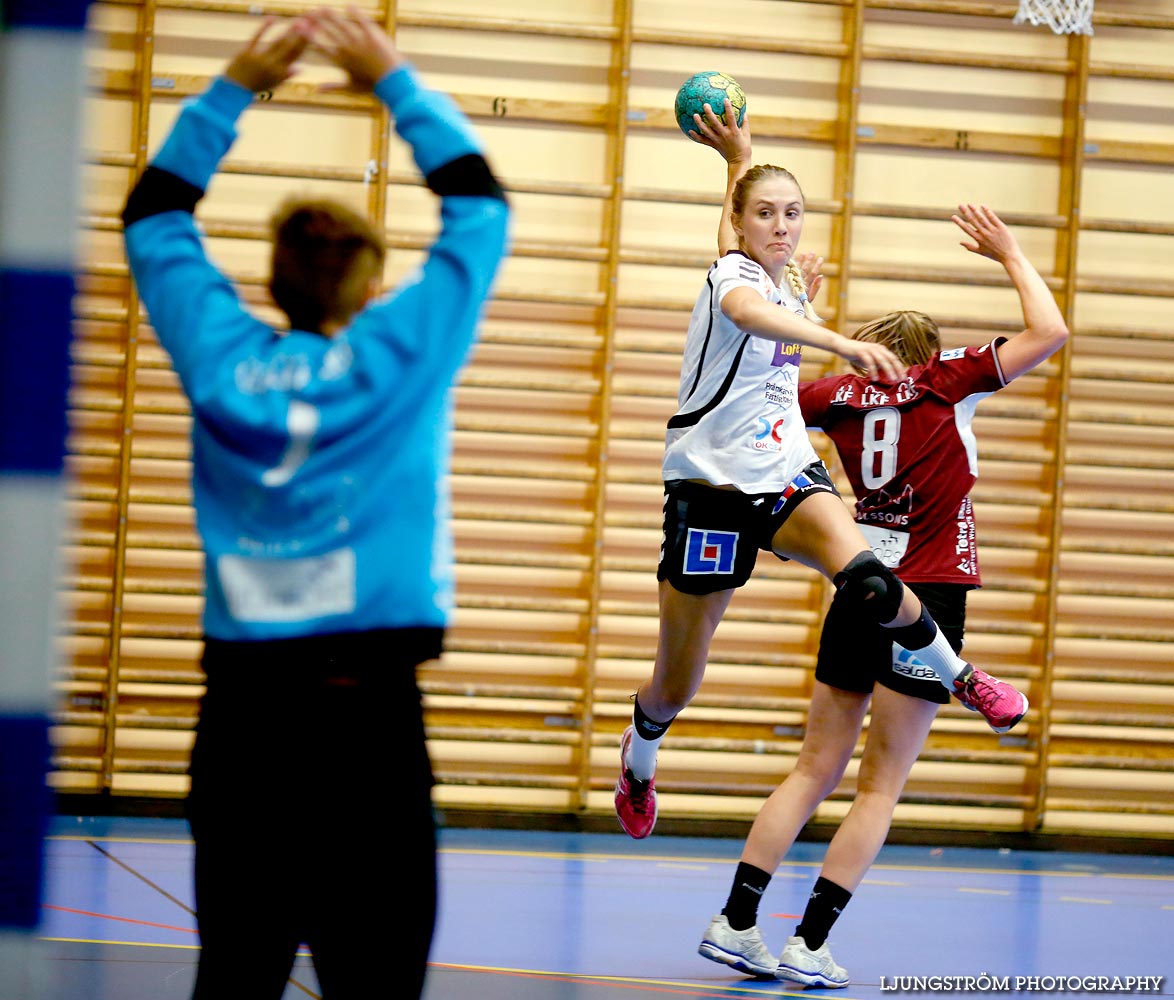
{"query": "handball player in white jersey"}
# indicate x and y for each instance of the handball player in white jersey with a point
(909, 451)
(741, 476)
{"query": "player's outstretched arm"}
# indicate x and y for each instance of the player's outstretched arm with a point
(751, 313)
(1044, 330)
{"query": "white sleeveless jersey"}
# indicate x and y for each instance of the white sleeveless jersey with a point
(738, 420)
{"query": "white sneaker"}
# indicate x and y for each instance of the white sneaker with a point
(741, 950)
(799, 964)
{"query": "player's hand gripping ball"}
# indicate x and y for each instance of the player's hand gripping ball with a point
(712, 89)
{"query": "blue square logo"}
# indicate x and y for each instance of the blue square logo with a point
(708, 551)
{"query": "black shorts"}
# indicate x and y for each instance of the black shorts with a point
(855, 655)
(712, 537)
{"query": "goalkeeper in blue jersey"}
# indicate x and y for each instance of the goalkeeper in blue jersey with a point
(319, 465)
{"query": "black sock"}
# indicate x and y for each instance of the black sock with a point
(827, 902)
(741, 908)
(918, 634)
(645, 727)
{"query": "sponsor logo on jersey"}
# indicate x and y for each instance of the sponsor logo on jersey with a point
(965, 541)
(872, 396)
(709, 551)
(844, 394)
(907, 391)
(779, 394)
(787, 354)
(280, 373)
(799, 483)
(769, 435)
(881, 507)
(337, 361)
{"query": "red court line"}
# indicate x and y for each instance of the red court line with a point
(124, 920)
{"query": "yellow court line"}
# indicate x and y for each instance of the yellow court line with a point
(82, 838)
(758, 989)
(1155, 878)
(928, 869)
(125, 944)
(599, 858)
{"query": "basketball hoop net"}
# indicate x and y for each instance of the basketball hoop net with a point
(1064, 17)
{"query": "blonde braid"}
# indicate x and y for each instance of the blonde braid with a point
(799, 290)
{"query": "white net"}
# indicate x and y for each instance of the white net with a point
(1064, 17)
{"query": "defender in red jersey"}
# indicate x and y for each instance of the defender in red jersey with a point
(910, 453)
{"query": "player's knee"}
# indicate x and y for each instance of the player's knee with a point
(867, 587)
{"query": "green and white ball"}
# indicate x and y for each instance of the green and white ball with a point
(712, 89)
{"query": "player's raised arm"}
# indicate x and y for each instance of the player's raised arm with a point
(1044, 330)
(734, 143)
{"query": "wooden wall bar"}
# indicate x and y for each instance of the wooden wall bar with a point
(890, 113)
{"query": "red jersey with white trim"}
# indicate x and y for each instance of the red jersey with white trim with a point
(910, 452)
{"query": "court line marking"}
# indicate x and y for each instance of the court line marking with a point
(656, 985)
(124, 944)
(143, 878)
(120, 840)
(663, 985)
(111, 916)
(927, 869)
(599, 858)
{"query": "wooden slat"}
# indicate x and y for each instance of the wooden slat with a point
(560, 417)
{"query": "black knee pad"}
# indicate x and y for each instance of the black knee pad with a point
(869, 588)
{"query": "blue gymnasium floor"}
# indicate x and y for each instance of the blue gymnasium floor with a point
(534, 915)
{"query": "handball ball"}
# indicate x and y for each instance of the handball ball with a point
(711, 89)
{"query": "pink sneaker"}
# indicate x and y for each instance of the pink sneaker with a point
(996, 701)
(635, 799)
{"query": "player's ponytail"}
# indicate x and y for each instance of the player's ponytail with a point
(911, 335)
(799, 289)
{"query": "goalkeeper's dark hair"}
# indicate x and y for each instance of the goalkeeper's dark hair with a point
(324, 258)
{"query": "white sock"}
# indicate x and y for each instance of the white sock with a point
(940, 657)
(642, 755)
